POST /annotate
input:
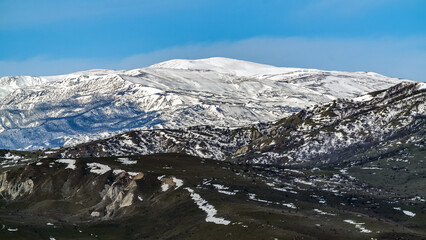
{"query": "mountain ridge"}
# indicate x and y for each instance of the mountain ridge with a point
(78, 107)
(324, 133)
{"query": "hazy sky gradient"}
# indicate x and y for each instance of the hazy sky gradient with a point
(52, 37)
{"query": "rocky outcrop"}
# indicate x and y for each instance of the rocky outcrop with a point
(11, 190)
(99, 195)
(118, 195)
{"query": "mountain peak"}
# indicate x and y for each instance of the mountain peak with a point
(223, 65)
(213, 61)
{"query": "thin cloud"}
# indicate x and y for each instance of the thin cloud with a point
(393, 57)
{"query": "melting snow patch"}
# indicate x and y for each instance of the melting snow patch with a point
(252, 196)
(39, 163)
(52, 238)
(12, 229)
(289, 205)
(371, 168)
(165, 187)
(364, 98)
(95, 214)
(98, 168)
(126, 161)
(49, 224)
(10, 156)
(280, 189)
(303, 182)
(206, 207)
(418, 198)
(324, 213)
(408, 213)
(160, 177)
(117, 171)
(226, 192)
(178, 182)
(133, 174)
(222, 189)
(140, 198)
(70, 162)
(358, 225)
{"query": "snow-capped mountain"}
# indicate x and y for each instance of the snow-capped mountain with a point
(61, 110)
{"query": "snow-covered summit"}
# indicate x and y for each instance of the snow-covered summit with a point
(223, 65)
(51, 111)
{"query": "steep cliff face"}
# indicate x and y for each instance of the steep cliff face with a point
(121, 193)
(99, 190)
(14, 188)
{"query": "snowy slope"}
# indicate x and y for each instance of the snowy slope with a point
(67, 109)
(10, 84)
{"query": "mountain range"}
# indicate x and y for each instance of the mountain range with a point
(53, 111)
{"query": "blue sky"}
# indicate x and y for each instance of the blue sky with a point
(47, 37)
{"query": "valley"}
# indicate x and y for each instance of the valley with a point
(253, 201)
